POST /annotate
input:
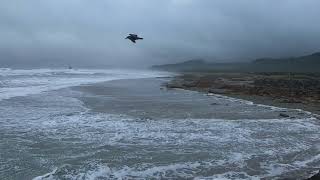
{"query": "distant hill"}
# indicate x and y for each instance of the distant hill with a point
(309, 63)
(190, 65)
(309, 59)
(199, 65)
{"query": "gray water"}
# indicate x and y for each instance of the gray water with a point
(133, 129)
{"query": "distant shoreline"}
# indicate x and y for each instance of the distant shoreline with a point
(299, 92)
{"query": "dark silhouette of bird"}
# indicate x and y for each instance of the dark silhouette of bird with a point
(133, 37)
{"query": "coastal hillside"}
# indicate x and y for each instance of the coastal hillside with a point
(200, 65)
(308, 63)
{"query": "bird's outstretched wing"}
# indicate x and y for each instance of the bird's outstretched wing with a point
(134, 41)
(134, 35)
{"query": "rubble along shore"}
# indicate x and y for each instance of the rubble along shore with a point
(298, 91)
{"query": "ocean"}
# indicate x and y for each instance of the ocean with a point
(122, 124)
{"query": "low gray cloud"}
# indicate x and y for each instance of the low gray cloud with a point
(91, 33)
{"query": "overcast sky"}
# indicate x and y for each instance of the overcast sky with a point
(92, 32)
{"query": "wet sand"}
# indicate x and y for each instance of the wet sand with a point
(146, 98)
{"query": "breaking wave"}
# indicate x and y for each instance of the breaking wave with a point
(15, 83)
(237, 149)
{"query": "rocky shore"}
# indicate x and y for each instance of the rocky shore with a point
(299, 91)
(315, 177)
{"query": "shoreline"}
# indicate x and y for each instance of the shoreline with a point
(140, 99)
(244, 86)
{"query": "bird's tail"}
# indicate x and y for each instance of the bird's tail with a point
(140, 38)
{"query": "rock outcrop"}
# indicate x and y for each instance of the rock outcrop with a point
(280, 88)
(315, 177)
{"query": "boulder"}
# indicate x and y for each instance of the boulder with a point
(284, 115)
(218, 91)
(315, 177)
(190, 84)
(213, 104)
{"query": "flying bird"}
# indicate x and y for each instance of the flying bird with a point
(133, 37)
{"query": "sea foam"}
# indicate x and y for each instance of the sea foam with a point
(15, 83)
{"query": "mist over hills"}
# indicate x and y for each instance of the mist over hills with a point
(308, 64)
